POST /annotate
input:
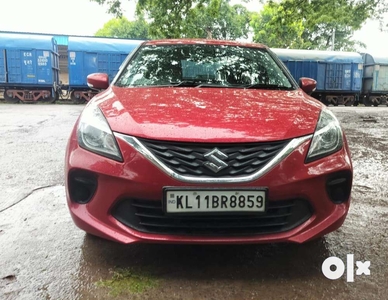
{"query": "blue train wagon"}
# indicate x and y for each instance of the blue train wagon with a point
(29, 67)
(94, 55)
(338, 74)
(375, 80)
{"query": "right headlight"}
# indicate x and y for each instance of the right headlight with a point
(328, 137)
(95, 135)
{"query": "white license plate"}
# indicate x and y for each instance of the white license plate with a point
(214, 200)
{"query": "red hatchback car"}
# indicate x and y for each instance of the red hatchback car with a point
(201, 141)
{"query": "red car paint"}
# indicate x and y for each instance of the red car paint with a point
(211, 115)
(206, 115)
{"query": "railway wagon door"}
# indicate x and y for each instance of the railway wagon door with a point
(110, 63)
(3, 71)
(381, 78)
(81, 64)
(22, 66)
(338, 77)
(300, 69)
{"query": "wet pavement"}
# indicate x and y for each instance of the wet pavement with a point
(44, 256)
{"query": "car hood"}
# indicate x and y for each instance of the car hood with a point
(209, 114)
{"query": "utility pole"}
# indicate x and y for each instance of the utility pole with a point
(333, 39)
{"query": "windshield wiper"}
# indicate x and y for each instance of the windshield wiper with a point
(187, 83)
(197, 84)
(267, 86)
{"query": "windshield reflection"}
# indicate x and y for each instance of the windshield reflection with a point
(203, 66)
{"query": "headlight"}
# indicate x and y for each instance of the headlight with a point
(95, 135)
(327, 138)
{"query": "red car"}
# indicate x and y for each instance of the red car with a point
(211, 142)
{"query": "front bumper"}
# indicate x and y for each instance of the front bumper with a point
(137, 178)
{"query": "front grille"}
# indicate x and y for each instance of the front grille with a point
(189, 158)
(147, 216)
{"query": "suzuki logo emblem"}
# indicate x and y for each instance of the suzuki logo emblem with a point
(216, 160)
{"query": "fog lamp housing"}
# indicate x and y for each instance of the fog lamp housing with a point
(82, 186)
(338, 186)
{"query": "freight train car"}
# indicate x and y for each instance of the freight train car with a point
(375, 80)
(94, 55)
(29, 68)
(338, 74)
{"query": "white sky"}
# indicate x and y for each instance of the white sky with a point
(82, 17)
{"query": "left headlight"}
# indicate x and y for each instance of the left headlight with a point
(328, 137)
(95, 135)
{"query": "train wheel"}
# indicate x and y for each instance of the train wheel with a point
(50, 99)
(356, 100)
(324, 100)
(348, 100)
(10, 99)
(367, 101)
(375, 101)
(76, 100)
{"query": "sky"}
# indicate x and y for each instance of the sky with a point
(82, 17)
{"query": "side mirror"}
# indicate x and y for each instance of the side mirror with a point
(99, 81)
(308, 85)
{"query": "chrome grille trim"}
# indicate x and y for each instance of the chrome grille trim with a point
(290, 147)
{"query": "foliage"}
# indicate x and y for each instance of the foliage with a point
(306, 24)
(126, 281)
(168, 18)
(268, 30)
(218, 20)
(122, 28)
(309, 24)
(189, 18)
(114, 6)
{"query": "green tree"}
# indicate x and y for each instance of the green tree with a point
(269, 28)
(310, 24)
(168, 18)
(190, 18)
(219, 20)
(122, 28)
(307, 24)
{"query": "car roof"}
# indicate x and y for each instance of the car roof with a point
(203, 42)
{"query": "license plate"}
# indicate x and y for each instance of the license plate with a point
(178, 200)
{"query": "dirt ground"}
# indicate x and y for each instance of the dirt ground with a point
(44, 256)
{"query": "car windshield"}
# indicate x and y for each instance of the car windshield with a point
(196, 65)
